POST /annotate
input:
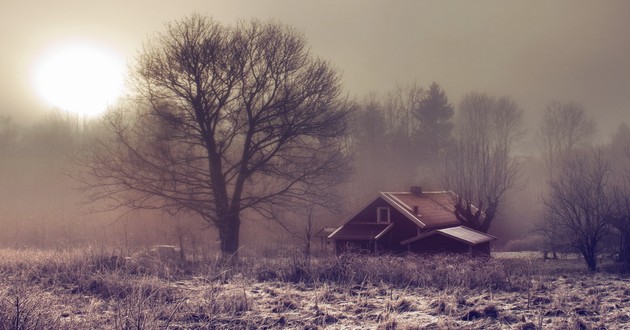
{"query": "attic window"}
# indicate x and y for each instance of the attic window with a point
(382, 214)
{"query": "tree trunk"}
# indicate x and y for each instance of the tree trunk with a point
(624, 250)
(591, 258)
(229, 237)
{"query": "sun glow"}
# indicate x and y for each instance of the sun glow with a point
(79, 77)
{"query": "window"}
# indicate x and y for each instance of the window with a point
(382, 214)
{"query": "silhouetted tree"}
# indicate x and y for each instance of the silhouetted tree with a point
(564, 127)
(480, 168)
(578, 202)
(237, 118)
(435, 115)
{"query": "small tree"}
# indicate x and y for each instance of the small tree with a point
(578, 203)
(479, 167)
(231, 119)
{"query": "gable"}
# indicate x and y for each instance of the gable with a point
(370, 213)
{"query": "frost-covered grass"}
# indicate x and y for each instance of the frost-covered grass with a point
(86, 289)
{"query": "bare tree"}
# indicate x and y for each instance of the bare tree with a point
(234, 118)
(384, 138)
(401, 130)
(563, 128)
(578, 202)
(480, 168)
(620, 216)
(619, 154)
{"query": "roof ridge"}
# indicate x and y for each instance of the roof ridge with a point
(407, 213)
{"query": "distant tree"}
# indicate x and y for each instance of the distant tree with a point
(563, 128)
(620, 216)
(383, 138)
(401, 128)
(620, 150)
(369, 145)
(368, 127)
(237, 118)
(56, 134)
(480, 168)
(578, 202)
(435, 115)
(619, 155)
(8, 133)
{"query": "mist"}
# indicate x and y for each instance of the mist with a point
(533, 52)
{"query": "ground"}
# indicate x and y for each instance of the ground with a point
(81, 292)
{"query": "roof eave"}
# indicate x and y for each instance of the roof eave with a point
(377, 237)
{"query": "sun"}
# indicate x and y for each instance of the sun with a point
(79, 77)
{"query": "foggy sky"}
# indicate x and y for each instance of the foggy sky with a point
(533, 51)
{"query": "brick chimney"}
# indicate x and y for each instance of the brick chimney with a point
(416, 190)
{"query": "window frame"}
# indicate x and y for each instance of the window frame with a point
(379, 219)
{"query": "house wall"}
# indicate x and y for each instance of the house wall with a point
(354, 246)
(368, 214)
(482, 248)
(438, 243)
(403, 228)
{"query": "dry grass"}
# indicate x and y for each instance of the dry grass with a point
(85, 289)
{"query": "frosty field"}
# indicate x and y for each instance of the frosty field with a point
(86, 289)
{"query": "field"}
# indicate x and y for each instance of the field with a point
(95, 290)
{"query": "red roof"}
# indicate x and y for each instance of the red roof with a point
(460, 233)
(435, 209)
(362, 231)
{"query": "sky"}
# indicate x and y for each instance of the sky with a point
(532, 51)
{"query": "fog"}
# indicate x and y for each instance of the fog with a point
(533, 52)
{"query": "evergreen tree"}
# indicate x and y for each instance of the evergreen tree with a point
(435, 114)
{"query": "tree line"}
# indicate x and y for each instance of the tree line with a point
(229, 122)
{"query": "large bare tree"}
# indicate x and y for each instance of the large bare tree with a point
(232, 118)
(480, 167)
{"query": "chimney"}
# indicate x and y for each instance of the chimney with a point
(415, 209)
(416, 190)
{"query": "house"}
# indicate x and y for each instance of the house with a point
(414, 221)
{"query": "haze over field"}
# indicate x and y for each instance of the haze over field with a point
(534, 51)
(73, 54)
